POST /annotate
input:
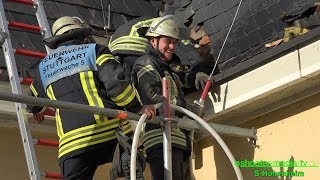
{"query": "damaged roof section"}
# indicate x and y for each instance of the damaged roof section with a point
(89, 11)
(258, 23)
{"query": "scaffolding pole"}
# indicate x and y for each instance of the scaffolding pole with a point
(184, 123)
(167, 147)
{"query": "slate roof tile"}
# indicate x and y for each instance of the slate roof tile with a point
(255, 38)
(147, 8)
(262, 18)
(184, 3)
(120, 7)
(52, 10)
(257, 23)
(206, 12)
(90, 11)
(68, 9)
(274, 11)
(156, 4)
(85, 3)
(197, 4)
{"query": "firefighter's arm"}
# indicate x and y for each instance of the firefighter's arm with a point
(148, 83)
(37, 111)
(118, 87)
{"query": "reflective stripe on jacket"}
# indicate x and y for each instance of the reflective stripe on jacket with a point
(128, 40)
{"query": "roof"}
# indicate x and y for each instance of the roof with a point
(90, 11)
(258, 22)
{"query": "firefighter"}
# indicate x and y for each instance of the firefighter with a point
(147, 74)
(128, 42)
(84, 73)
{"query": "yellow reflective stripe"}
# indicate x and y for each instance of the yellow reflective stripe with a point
(159, 140)
(58, 118)
(87, 141)
(177, 80)
(96, 95)
(91, 92)
(138, 25)
(172, 88)
(129, 40)
(152, 142)
(129, 47)
(146, 69)
(59, 124)
(125, 97)
(127, 128)
(137, 94)
(158, 132)
(110, 40)
(88, 130)
(103, 58)
(34, 91)
(151, 134)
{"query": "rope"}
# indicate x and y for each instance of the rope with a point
(215, 64)
(104, 15)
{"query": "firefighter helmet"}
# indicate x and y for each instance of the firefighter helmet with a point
(65, 24)
(164, 26)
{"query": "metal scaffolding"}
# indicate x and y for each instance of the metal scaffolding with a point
(185, 123)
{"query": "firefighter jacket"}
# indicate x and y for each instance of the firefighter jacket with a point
(147, 75)
(129, 38)
(85, 74)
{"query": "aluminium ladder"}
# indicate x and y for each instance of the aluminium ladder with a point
(9, 52)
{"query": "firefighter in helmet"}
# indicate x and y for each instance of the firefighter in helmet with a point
(85, 73)
(147, 74)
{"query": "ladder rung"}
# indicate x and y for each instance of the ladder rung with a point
(45, 142)
(51, 175)
(30, 53)
(49, 112)
(24, 26)
(27, 81)
(26, 2)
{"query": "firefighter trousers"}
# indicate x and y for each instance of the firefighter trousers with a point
(83, 166)
(155, 160)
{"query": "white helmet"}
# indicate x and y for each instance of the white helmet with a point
(164, 26)
(65, 24)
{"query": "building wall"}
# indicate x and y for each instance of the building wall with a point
(11, 152)
(290, 133)
(14, 165)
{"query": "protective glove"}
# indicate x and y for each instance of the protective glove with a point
(201, 79)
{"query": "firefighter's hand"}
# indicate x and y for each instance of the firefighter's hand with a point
(201, 79)
(39, 117)
(150, 110)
